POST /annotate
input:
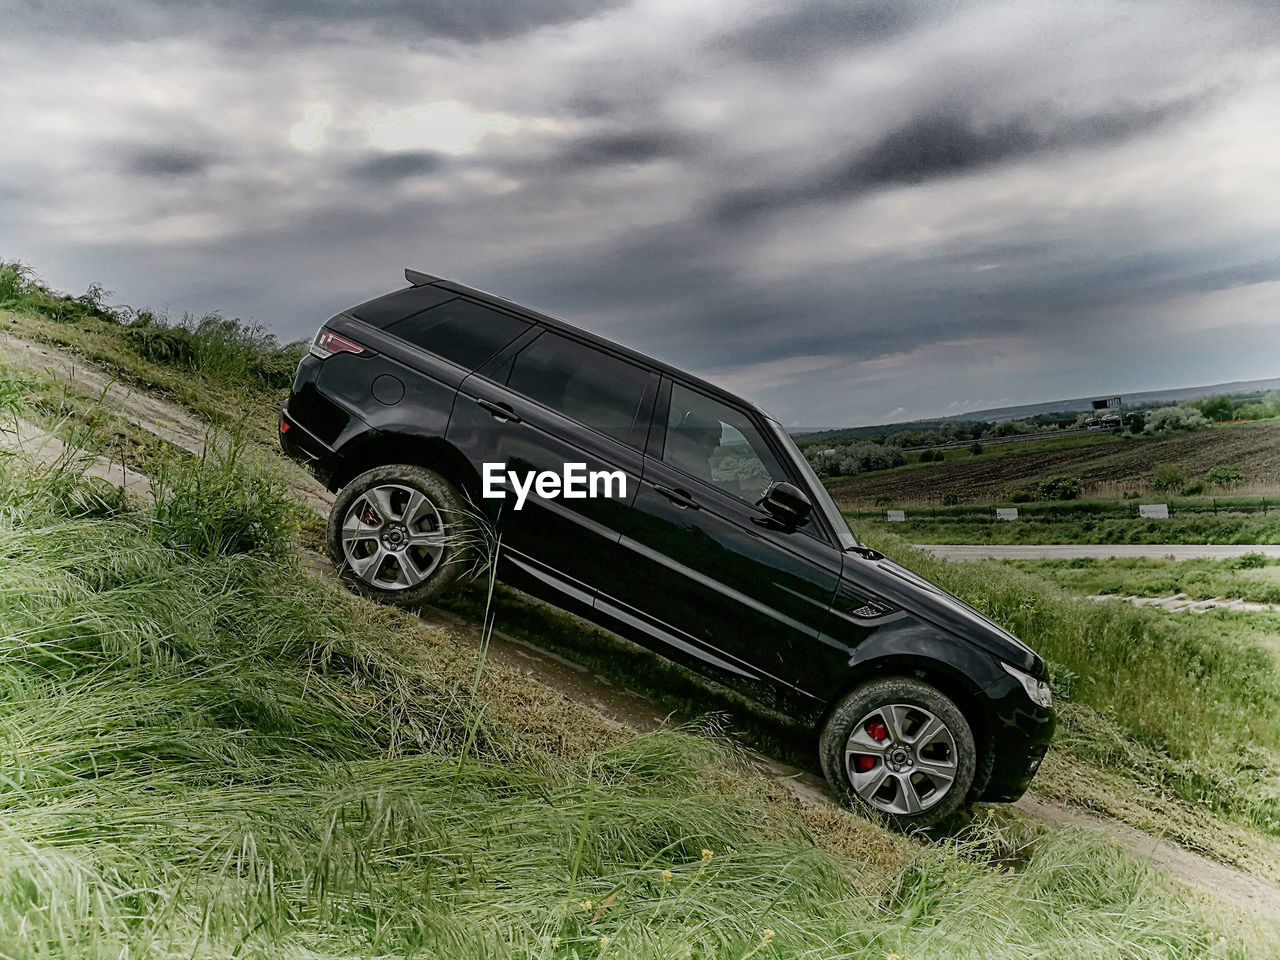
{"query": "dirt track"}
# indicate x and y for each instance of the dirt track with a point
(1250, 446)
(1228, 885)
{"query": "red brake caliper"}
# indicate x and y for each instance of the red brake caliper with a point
(878, 732)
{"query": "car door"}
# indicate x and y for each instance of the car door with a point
(710, 573)
(559, 400)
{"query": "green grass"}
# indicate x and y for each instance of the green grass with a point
(209, 754)
(1177, 704)
(227, 371)
(1253, 577)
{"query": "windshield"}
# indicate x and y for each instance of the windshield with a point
(822, 501)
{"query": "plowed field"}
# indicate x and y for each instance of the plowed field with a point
(1253, 447)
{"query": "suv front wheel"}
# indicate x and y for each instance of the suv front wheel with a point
(899, 748)
(399, 534)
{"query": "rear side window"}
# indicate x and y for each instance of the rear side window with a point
(403, 303)
(581, 382)
(461, 331)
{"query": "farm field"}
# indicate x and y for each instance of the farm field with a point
(1113, 462)
(249, 762)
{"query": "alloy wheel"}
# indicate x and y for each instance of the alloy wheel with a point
(901, 759)
(393, 537)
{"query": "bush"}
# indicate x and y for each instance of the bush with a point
(950, 498)
(1217, 408)
(975, 448)
(1059, 488)
(1255, 411)
(1175, 418)
(1165, 476)
(1018, 496)
(1192, 489)
(1225, 476)
(852, 458)
(1137, 423)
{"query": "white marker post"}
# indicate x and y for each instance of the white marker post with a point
(1006, 513)
(896, 516)
(1153, 511)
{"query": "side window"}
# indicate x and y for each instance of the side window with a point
(718, 444)
(583, 383)
(461, 331)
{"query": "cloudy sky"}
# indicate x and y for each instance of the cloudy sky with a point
(853, 211)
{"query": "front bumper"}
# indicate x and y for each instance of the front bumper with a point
(1019, 733)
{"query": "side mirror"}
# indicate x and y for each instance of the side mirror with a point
(786, 503)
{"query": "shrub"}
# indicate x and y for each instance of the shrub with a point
(1137, 423)
(1175, 418)
(1225, 476)
(1192, 489)
(1217, 408)
(975, 448)
(851, 458)
(1254, 411)
(1018, 496)
(1250, 561)
(950, 498)
(1059, 488)
(1165, 476)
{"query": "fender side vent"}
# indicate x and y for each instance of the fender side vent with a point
(856, 605)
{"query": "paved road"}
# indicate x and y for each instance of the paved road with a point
(1101, 551)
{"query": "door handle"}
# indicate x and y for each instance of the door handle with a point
(500, 411)
(679, 497)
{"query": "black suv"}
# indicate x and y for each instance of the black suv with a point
(708, 538)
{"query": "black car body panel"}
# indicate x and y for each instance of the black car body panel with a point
(687, 562)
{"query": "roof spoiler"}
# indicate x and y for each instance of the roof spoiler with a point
(418, 278)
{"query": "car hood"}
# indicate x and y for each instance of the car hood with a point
(908, 591)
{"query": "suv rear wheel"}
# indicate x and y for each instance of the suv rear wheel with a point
(399, 534)
(902, 749)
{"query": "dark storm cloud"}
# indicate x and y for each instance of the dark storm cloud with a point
(638, 146)
(469, 21)
(166, 162)
(806, 30)
(946, 144)
(391, 167)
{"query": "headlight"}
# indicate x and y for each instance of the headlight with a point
(1037, 690)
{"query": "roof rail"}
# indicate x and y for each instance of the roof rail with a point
(418, 278)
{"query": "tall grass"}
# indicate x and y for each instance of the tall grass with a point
(225, 350)
(207, 754)
(1168, 701)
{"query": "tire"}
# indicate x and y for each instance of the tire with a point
(399, 534)
(900, 750)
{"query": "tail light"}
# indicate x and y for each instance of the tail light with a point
(327, 343)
